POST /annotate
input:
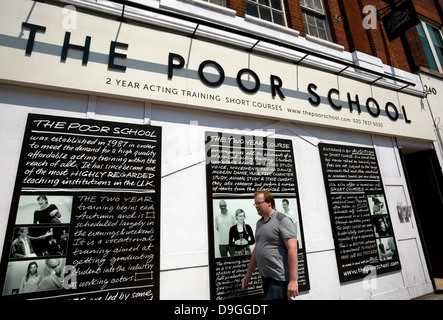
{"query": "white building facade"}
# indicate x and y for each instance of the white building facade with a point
(79, 60)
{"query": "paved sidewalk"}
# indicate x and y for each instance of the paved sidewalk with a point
(431, 296)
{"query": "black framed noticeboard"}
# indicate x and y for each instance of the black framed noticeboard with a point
(363, 234)
(237, 166)
(84, 221)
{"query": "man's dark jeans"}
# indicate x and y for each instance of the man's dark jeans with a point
(274, 289)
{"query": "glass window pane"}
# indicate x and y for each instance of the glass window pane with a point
(251, 9)
(313, 31)
(317, 6)
(278, 18)
(309, 4)
(276, 4)
(322, 34)
(310, 19)
(264, 2)
(426, 48)
(437, 42)
(219, 2)
(320, 22)
(265, 14)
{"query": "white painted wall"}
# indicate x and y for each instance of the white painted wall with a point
(184, 238)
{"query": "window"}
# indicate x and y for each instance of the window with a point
(314, 19)
(432, 42)
(219, 2)
(270, 10)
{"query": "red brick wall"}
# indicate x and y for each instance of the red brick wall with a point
(294, 16)
(428, 9)
(238, 5)
(337, 20)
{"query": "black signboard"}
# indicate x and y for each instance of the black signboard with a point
(362, 228)
(85, 216)
(400, 19)
(237, 166)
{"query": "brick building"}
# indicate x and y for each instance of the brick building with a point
(148, 122)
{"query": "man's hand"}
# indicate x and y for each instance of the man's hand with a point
(245, 283)
(291, 245)
(292, 289)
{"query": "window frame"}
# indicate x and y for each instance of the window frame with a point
(316, 14)
(430, 43)
(258, 5)
(223, 2)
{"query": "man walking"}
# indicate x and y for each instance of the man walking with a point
(275, 252)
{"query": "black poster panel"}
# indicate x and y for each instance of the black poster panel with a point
(400, 19)
(237, 166)
(85, 216)
(361, 225)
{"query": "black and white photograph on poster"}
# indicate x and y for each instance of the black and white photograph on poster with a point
(44, 209)
(31, 276)
(387, 249)
(382, 226)
(377, 204)
(237, 166)
(289, 207)
(234, 227)
(360, 220)
(86, 198)
(39, 241)
(234, 240)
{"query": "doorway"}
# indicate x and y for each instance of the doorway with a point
(425, 182)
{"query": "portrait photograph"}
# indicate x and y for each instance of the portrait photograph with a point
(44, 209)
(234, 227)
(37, 275)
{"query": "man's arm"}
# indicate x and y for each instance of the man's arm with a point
(291, 245)
(251, 268)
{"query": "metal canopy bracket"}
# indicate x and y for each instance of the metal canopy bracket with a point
(123, 14)
(374, 81)
(342, 70)
(400, 89)
(304, 57)
(195, 30)
(252, 48)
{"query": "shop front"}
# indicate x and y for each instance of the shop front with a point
(426, 187)
(142, 137)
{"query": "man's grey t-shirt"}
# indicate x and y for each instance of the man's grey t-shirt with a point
(271, 252)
